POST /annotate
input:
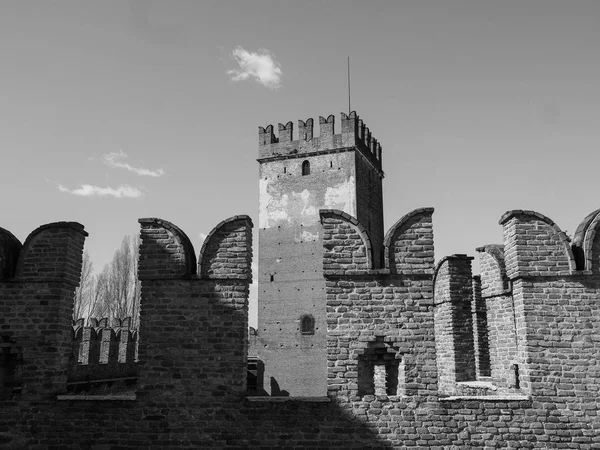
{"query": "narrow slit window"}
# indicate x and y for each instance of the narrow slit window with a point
(305, 168)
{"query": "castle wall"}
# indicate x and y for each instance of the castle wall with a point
(191, 380)
(480, 332)
(193, 328)
(555, 303)
(364, 341)
(503, 339)
(375, 319)
(455, 349)
(501, 319)
(101, 352)
(36, 298)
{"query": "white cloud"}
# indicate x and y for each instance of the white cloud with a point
(259, 66)
(88, 190)
(115, 160)
(202, 237)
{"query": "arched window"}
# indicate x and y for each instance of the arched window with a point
(305, 168)
(307, 324)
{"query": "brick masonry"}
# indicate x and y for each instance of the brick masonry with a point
(404, 340)
(191, 373)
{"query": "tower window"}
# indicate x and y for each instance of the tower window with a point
(305, 168)
(307, 324)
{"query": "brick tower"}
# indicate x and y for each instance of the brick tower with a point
(297, 179)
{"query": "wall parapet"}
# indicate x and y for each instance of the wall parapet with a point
(346, 244)
(165, 252)
(454, 262)
(354, 134)
(380, 338)
(453, 322)
(584, 239)
(227, 250)
(535, 246)
(52, 252)
(101, 351)
(408, 245)
(36, 306)
(493, 270)
(195, 328)
(10, 247)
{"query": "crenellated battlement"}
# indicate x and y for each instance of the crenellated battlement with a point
(407, 333)
(101, 351)
(354, 134)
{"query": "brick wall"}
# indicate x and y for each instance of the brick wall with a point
(193, 329)
(408, 245)
(193, 343)
(455, 349)
(480, 331)
(501, 319)
(102, 352)
(35, 305)
(378, 322)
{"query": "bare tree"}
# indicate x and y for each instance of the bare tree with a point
(100, 305)
(114, 292)
(123, 280)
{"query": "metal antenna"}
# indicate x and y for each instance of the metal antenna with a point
(349, 108)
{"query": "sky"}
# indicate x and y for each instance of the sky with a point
(115, 110)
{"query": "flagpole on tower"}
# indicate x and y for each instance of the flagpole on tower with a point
(349, 108)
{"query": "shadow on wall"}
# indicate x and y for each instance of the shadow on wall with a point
(276, 390)
(295, 423)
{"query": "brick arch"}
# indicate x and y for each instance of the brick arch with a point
(403, 237)
(583, 241)
(165, 251)
(46, 253)
(10, 247)
(437, 268)
(229, 243)
(492, 257)
(356, 225)
(562, 237)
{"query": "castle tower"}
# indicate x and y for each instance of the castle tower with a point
(297, 179)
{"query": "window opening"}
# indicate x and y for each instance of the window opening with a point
(305, 168)
(513, 380)
(379, 370)
(307, 324)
